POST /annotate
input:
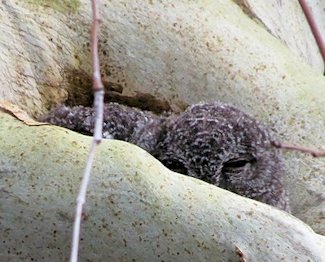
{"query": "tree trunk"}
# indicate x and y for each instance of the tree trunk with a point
(165, 55)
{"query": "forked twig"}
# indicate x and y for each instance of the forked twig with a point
(303, 149)
(97, 137)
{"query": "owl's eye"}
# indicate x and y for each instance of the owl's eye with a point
(175, 166)
(236, 165)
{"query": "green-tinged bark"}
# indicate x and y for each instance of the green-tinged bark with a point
(137, 210)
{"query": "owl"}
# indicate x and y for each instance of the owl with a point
(214, 142)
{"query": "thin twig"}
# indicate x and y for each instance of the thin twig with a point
(97, 137)
(313, 26)
(240, 254)
(303, 149)
(80, 202)
(98, 87)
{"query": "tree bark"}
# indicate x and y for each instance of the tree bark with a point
(136, 208)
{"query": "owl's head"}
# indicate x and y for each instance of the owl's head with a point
(223, 146)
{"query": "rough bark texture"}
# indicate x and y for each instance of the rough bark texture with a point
(137, 210)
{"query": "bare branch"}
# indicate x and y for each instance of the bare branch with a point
(99, 112)
(97, 82)
(80, 202)
(313, 26)
(240, 254)
(97, 137)
(303, 149)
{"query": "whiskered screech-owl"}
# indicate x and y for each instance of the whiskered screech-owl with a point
(214, 142)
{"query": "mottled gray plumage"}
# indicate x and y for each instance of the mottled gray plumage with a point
(214, 142)
(120, 122)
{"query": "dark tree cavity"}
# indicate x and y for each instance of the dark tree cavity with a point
(214, 142)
